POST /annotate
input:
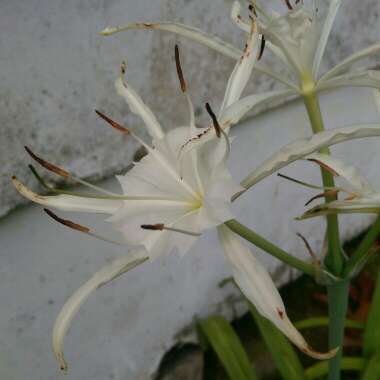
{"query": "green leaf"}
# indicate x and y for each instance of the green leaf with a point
(372, 370)
(372, 331)
(228, 347)
(322, 368)
(324, 322)
(284, 356)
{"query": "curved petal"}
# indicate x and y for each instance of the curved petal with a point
(138, 107)
(69, 202)
(242, 70)
(256, 284)
(367, 78)
(237, 110)
(348, 172)
(342, 66)
(72, 305)
(301, 148)
(327, 26)
(190, 32)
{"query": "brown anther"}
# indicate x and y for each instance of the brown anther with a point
(66, 222)
(308, 248)
(252, 9)
(217, 127)
(328, 193)
(179, 69)
(123, 67)
(112, 123)
(324, 166)
(288, 4)
(47, 165)
(262, 47)
(153, 227)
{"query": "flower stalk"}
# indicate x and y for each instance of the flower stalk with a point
(337, 292)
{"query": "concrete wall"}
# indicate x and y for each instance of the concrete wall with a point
(54, 71)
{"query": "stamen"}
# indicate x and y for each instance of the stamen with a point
(80, 228)
(288, 4)
(308, 248)
(67, 223)
(179, 69)
(329, 193)
(218, 129)
(162, 227)
(63, 173)
(47, 165)
(301, 182)
(262, 47)
(252, 9)
(113, 123)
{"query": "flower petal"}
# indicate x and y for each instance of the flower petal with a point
(138, 107)
(342, 66)
(348, 172)
(69, 202)
(256, 284)
(184, 30)
(237, 110)
(366, 78)
(301, 148)
(329, 20)
(72, 305)
(242, 70)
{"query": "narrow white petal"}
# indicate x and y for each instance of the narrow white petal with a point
(242, 71)
(184, 30)
(376, 95)
(342, 66)
(257, 285)
(329, 21)
(237, 19)
(348, 172)
(69, 202)
(138, 107)
(72, 305)
(367, 78)
(236, 111)
(301, 148)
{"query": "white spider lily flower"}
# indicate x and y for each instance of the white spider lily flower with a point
(169, 198)
(257, 285)
(361, 196)
(298, 39)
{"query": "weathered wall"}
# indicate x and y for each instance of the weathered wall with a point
(55, 69)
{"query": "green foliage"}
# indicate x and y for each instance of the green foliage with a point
(372, 370)
(228, 347)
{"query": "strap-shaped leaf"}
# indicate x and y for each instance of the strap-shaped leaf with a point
(283, 354)
(321, 369)
(372, 330)
(372, 370)
(228, 347)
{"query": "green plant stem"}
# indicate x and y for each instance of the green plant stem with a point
(269, 247)
(334, 258)
(337, 292)
(320, 369)
(361, 252)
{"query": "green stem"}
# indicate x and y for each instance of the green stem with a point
(325, 321)
(334, 259)
(361, 253)
(338, 301)
(269, 247)
(335, 262)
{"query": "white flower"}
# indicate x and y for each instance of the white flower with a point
(361, 196)
(178, 190)
(298, 39)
